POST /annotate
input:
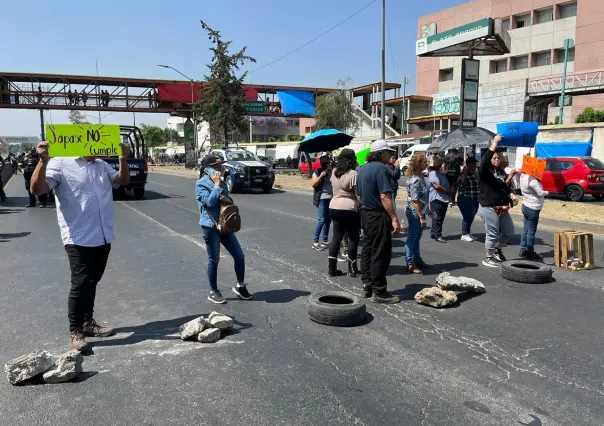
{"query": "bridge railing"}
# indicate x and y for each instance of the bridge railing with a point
(575, 82)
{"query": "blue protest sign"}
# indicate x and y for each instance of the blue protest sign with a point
(519, 134)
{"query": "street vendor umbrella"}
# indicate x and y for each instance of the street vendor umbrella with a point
(464, 136)
(362, 156)
(324, 140)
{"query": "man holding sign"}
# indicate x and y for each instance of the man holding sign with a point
(83, 188)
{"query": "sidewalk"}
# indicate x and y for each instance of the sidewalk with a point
(556, 214)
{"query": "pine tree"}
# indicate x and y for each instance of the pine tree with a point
(222, 102)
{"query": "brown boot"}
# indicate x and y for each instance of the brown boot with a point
(77, 341)
(92, 329)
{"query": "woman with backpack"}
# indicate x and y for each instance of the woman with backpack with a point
(344, 213)
(323, 192)
(211, 193)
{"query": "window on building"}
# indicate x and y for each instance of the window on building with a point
(542, 59)
(446, 75)
(307, 129)
(568, 10)
(545, 15)
(520, 62)
(505, 24)
(499, 66)
(523, 20)
(559, 55)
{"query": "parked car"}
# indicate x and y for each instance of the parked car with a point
(575, 177)
(406, 156)
(269, 161)
(303, 165)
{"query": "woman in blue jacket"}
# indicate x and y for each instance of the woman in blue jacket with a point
(209, 190)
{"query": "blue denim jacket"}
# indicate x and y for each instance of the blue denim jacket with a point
(206, 192)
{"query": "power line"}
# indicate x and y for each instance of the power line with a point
(317, 37)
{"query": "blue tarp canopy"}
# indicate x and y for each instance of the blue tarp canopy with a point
(572, 142)
(297, 102)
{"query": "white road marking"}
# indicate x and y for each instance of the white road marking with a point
(292, 215)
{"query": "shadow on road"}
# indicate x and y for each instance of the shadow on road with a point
(149, 196)
(433, 269)
(80, 378)
(409, 291)
(5, 237)
(279, 296)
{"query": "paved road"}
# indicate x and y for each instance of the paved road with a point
(519, 354)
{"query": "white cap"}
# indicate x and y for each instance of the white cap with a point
(380, 145)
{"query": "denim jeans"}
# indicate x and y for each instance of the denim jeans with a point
(414, 235)
(323, 221)
(498, 229)
(468, 208)
(213, 239)
(527, 238)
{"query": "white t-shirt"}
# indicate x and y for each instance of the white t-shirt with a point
(532, 192)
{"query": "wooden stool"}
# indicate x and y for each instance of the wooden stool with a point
(581, 245)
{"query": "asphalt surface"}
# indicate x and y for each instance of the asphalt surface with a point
(519, 354)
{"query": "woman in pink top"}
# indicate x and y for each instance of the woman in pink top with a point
(344, 212)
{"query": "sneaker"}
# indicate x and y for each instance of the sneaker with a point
(216, 297)
(491, 262)
(534, 256)
(385, 297)
(241, 291)
(317, 246)
(440, 240)
(467, 238)
(366, 292)
(42, 206)
(30, 205)
(92, 329)
(77, 341)
(324, 245)
(522, 254)
(498, 255)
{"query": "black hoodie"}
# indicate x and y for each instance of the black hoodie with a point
(492, 189)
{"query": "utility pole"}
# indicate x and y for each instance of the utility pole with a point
(42, 125)
(568, 43)
(403, 127)
(383, 103)
(251, 129)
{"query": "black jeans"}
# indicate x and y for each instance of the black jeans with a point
(439, 211)
(2, 194)
(32, 198)
(87, 267)
(377, 249)
(345, 222)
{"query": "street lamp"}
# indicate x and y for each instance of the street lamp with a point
(192, 106)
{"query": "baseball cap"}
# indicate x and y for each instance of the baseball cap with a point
(380, 145)
(209, 160)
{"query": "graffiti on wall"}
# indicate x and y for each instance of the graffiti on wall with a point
(446, 104)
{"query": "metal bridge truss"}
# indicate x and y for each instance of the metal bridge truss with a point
(578, 83)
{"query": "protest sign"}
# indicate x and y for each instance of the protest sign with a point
(83, 140)
(519, 134)
(533, 166)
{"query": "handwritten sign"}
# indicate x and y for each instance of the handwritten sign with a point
(83, 140)
(533, 166)
(520, 134)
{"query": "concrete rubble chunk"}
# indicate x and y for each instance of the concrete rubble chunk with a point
(28, 366)
(192, 328)
(222, 322)
(209, 335)
(447, 281)
(435, 297)
(66, 367)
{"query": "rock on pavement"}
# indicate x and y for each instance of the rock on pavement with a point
(209, 335)
(447, 281)
(220, 321)
(192, 328)
(67, 367)
(435, 297)
(27, 366)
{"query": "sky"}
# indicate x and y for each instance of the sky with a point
(129, 38)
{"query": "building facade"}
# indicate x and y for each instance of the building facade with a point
(538, 30)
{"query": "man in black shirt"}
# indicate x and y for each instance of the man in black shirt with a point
(29, 165)
(378, 221)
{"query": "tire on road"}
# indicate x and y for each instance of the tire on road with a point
(526, 271)
(574, 192)
(336, 308)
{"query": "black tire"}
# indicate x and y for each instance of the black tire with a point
(139, 193)
(267, 189)
(336, 308)
(526, 271)
(230, 185)
(598, 197)
(574, 192)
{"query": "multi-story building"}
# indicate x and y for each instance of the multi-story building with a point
(523, 85)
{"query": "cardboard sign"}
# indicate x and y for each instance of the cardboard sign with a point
(519, 134)
(533, 166)
(83, 140)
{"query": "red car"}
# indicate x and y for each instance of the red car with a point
(574, 177)
(303, 167)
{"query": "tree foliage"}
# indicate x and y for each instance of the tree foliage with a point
(590, 115)
(156, 136)
(270, 123)
(76, 117)
(222, 102)
(335, 111)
